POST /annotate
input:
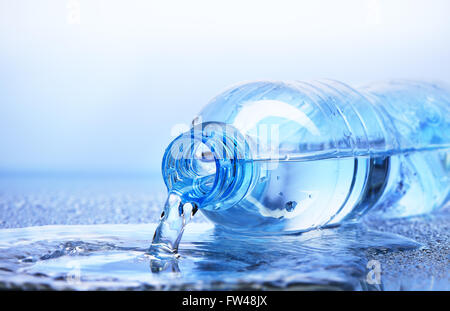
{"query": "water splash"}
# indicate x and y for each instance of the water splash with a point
(167, 237)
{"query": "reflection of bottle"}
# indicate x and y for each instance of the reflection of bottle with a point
(279, 156)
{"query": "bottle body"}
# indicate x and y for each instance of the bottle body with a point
(313, 154)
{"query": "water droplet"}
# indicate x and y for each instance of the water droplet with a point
(290, 205)
(194, 210)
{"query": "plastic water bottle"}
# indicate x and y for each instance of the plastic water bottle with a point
(291, 156)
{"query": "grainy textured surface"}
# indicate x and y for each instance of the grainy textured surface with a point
(36, 201)
(427, 268)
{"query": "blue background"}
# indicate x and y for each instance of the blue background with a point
(94, 86)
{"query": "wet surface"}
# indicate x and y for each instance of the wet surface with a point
(100, 236)
(114, 257)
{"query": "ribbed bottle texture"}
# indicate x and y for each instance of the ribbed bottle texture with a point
(302, 155)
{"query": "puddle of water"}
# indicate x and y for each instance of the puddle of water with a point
(114, 257)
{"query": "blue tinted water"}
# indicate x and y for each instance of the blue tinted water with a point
(317, 193)
(114, 257)
(110, 252)
(300, 195)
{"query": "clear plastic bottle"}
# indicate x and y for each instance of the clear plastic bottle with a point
(291, 156)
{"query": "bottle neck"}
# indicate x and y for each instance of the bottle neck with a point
(210, 166)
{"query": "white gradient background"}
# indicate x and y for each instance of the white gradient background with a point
(102, 95)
